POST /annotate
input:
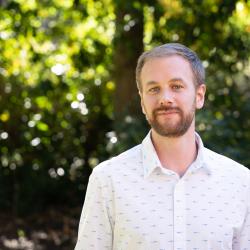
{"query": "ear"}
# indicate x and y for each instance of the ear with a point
(200, 96)
(142, 105)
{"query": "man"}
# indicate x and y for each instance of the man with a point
(170, 192)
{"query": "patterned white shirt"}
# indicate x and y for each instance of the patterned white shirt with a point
(133, 203)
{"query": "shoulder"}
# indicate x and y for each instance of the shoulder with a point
(221, 163)
(229, 173)
(119, 163)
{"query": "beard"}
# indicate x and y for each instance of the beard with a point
(170, 128)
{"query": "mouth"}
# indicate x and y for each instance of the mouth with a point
(167, 112)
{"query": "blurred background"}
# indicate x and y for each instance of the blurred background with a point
(68, 98)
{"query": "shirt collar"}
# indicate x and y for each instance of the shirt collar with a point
(151, 161)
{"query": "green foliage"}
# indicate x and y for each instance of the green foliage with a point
(57, 88)
(55, 98)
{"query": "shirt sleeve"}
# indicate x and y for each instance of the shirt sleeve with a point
(95, 227)
(242, 241)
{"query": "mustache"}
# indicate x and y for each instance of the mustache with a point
(165, 108)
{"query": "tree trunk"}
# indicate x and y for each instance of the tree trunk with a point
(128, 45)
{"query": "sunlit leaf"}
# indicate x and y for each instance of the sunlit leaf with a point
(5, 116)
(42, 126)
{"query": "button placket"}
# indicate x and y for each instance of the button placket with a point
(179, 216)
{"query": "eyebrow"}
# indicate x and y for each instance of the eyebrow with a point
(151, 83)
(177, 80)
(173, 80)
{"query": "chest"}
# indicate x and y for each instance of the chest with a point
(163, 211)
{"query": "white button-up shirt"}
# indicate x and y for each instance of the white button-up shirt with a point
(133, 203)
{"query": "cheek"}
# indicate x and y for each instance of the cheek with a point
(147, 105)
(150, 101)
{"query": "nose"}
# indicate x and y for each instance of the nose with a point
(166, 98)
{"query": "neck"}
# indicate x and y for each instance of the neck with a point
(176, 153)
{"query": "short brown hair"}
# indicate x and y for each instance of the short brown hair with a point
(170, 49)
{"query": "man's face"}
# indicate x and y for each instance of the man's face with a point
(169, 97)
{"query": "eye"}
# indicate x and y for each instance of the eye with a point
(177, 87)
(154, 90)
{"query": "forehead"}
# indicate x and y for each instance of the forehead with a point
(166, 68)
